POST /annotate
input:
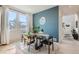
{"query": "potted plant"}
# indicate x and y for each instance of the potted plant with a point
(36, 29)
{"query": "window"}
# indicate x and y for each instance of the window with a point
(23, 22)
(11, 19)
(18, 20)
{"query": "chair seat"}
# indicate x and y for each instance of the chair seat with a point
(30, 42)
(46, 42)
(38, 47)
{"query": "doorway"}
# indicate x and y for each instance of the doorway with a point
(70, 26)
(70, 20)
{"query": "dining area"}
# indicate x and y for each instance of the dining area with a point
(38, 41)
(27, 30)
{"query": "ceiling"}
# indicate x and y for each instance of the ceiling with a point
(32, 8)
(69, 9)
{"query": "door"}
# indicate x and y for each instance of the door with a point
(12, 25)
(23, 23)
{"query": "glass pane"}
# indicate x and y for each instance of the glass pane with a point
(11, 19)
(23, 21)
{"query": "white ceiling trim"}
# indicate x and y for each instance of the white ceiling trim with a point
(32, 8)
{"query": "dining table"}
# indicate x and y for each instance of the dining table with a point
(35, 37)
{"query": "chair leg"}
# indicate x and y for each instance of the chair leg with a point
(48, 49)
(52, 47)
(45, 45)
(24, 42)
(29, 48)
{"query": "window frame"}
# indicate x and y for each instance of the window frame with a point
(17, 18)
(8, 19)
(27, 21)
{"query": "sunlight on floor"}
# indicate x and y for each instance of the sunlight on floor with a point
(66, 47)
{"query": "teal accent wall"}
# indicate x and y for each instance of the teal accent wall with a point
(51, 25)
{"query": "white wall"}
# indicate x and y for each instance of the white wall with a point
(60, 25)
(78, 25)
(0, 24)
(3, 29)
(78, 22)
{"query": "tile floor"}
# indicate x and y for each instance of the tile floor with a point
(67, 46)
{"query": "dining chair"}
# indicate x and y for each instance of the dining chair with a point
(28, 40)
(38, 43)
(49, 42)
